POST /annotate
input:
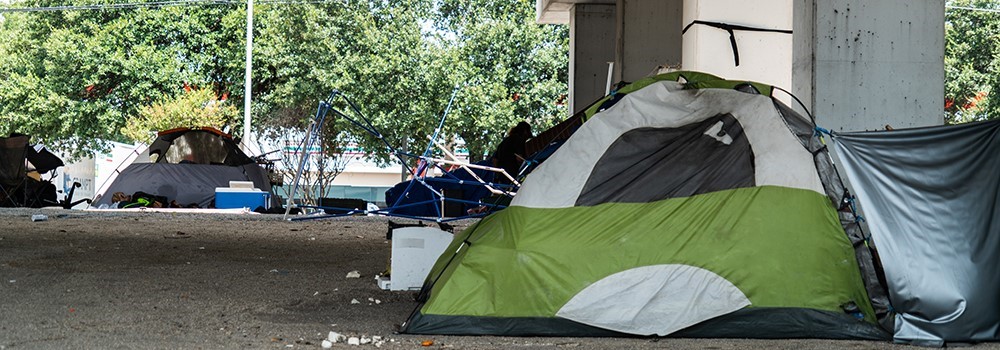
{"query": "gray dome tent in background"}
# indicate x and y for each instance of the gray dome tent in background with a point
(186, 165)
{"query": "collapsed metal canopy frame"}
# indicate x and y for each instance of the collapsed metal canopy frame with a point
(425, 162)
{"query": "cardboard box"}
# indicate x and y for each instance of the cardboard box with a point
(229, 198)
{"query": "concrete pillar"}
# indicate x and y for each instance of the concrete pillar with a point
(765, 57)
(648, 35)
(592, 46)
(860, 65)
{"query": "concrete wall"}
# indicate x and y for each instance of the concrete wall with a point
(368, 179)
(857, 64)
(861, 65)
(764, 57)
(648, 35)
(592, 46)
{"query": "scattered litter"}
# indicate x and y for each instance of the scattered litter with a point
(377, 301)
(201, 248)
(12, 281)
(371, 300)
(354, 274)
(427, 343)
(335, 337)
(315, 294)
(312, 238)
(177, 235)
(290, 346)
(39, 217)
(359, 236)
(353, 301)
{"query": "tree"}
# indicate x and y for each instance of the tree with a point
(74, 77)
(512, 68)
(972, 61)
(321, 169)
(79, 76)
(401, 60)
(193, 108)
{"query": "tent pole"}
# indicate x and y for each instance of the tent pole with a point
(611, 72)
(298, 173)
(307, 142)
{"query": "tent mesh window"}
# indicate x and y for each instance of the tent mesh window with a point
(663, 163)
(199, 148)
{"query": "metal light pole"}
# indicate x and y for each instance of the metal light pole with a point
(247, 89)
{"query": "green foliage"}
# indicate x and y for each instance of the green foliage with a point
(194, 108)
(511, 68)
(73, 77)
(401, 60)
(972, 61)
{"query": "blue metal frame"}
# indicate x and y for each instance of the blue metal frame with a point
(358, 119)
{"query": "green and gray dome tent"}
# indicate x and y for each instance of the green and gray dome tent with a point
(680, 210)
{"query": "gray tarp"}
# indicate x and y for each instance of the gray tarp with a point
(931, 197)
(185, 183)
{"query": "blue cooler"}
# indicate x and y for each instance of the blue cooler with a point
(229, 198)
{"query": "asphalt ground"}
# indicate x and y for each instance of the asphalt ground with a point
(99, 280)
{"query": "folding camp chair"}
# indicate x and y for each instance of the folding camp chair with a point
(42, 192)
(13, 171)
(68, 202)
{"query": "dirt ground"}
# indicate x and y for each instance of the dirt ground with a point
(89, 280)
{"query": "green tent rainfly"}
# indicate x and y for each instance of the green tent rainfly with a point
(701, 208)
